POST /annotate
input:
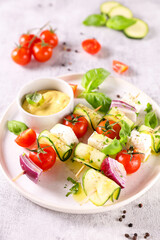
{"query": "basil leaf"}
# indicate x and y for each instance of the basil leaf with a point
(124, 132)
(95, 20)
(151, 120)
(112, 148)
(93, 78)
(34, 98)
(120, 22)
(96, 99)
(148, 108)
(16, 127)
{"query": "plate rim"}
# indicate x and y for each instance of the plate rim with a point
(71, 210)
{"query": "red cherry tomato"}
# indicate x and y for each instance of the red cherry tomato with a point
(21, 55)
(78, 124)
(26, 138)
(42, 52)
(109, 128)
(28, 40)
(119, 67)
(47, 159)
(49, 37)
(74, 88)
(91, 46)
(131, 164)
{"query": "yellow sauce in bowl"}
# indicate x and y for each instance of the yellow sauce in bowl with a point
(53, 102)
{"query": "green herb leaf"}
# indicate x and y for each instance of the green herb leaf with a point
(124, 132)
(120, 22)
(34, 98)
(93, 78)
(151, 120)
(96, 99)
(16, 127)
(74, 189)
(95, 20)
(148, 108)
(112, 148)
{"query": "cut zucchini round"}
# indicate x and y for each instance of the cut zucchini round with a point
(138, 30)
(120, 11)
(98, 187)
(107, 6)
(62, 150)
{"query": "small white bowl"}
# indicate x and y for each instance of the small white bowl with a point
(39, 123)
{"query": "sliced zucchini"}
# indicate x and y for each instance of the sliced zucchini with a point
(63, 151)
(99, 141)
(155, 135)
(138, 30)
(88, 155)
(98, 187)
(107, 6)
(92, 117)
(115, 195)
(116, 115)
(120, 11)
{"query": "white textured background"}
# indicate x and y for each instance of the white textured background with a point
(20, 218)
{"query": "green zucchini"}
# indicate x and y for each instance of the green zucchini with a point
(120, 11)
(138, 30)
(116, 115)
(91, 116)
(63, 151)
(99, 188)
(88, 155)
(107, 6)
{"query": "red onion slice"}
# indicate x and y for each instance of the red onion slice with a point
(122, 104)
(31, 170)
(114, 170)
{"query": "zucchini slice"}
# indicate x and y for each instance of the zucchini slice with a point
(120, 11)
(91, 116)
(63, 151)
(107, 6)
(99, 188)
(88, 155)
(138, 30)
(116, 115)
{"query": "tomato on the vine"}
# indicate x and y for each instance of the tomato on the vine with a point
(21, 55)
(45, 157)
(78, 124)
(109, 128)
(42, 52)
(49, 37)
(28, 40)
(131, 160)
(91, 46)
(26, 138)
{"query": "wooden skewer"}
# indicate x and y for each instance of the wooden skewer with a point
(95, 110)
(88, 197)
(79, 171)
(18, 176)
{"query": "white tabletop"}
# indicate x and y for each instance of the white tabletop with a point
(20, 218)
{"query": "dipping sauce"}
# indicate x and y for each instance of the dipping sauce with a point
(53, 102)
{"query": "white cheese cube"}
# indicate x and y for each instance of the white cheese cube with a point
(98, 141)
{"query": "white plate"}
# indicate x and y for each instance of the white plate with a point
(50, 192)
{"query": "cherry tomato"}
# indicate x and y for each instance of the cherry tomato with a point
(47, 159)
(119, 67)
(91, 46)
(74, 88)
(49, 37)
(109, 128)
(131, 162)
(28, 40)
(26, 138)
(21, 55)
(78, 124)
(42, 52)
